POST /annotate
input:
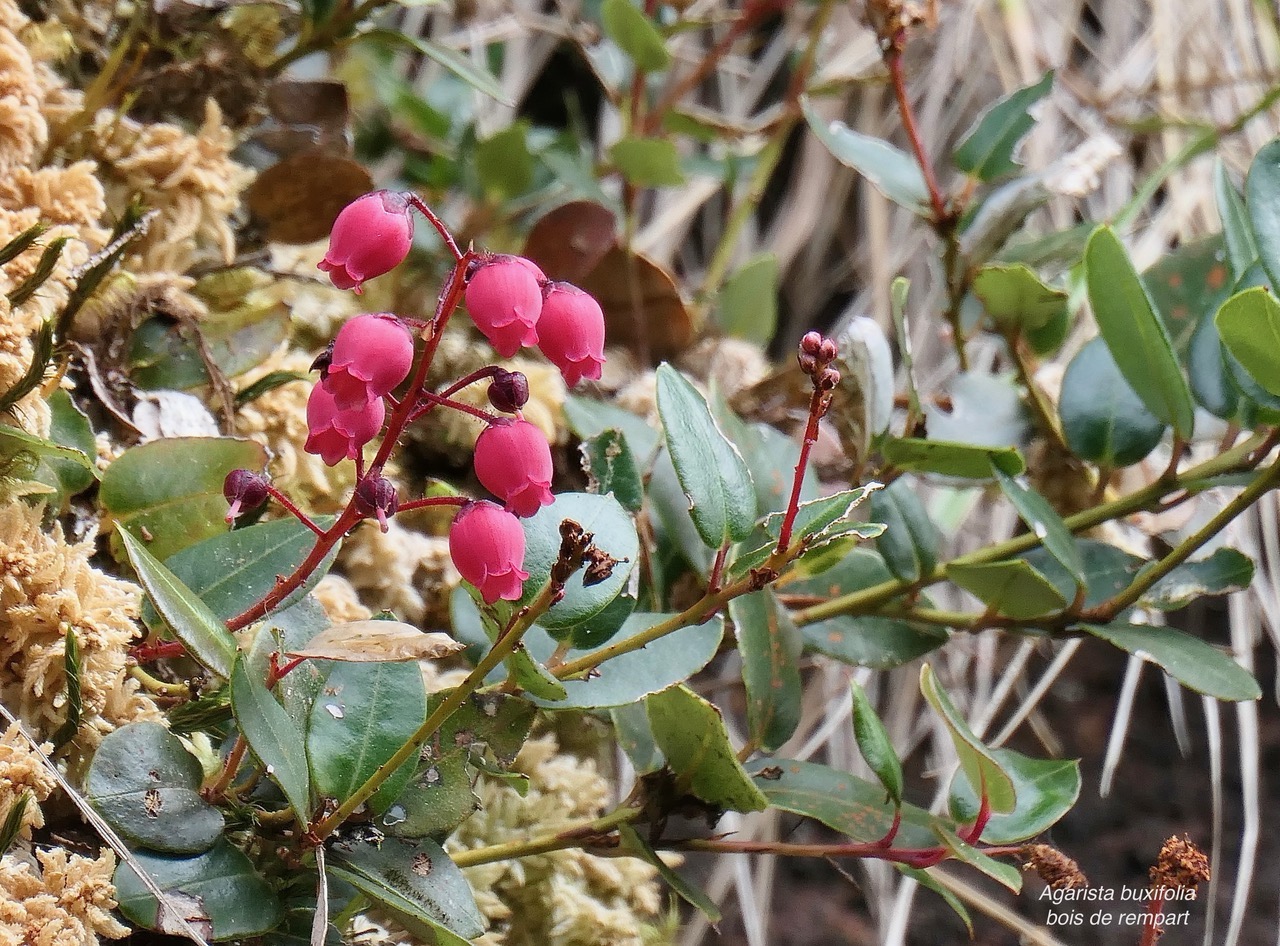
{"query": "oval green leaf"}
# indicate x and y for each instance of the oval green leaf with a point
(1187, 659)
(891, 171)
(980, 766)
(952, 459)
(1046, 790)
(1249, 325)
(273, 737)
(987, 149)
(635, 34)
(1221, 573)
(770, 646)
(909, 542)
(1262, 199)
(874, 744)
(1103, 420)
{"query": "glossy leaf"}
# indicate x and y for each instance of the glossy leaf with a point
(986, 151)
(1103, 420)
(691, 734)
(1249, 324)
(909, 543)
(874, 744)
(1221, 573)
(192, 621)
(1134, 333)
(365, 714)
(748, 300)
(892, 172)
(1012, 588)
(274, 738)
(770, 646)
(635, 737)
(236, 900)
(436, 799)
(172, 488)
(635, 34)
(611, 468)
(498, 721)
(532, 677)
(1211, 384)
(1108, 570)
(1046, 789)
(1016, 299)
(588, 418)
(1262, 198)
(1006, 874)
(70, 474)
(146, 785)
(1189, 660)
(952, 459)
(1043, 520)
(647, 162)
(711, 471)
(980, 766)
(1242, 250)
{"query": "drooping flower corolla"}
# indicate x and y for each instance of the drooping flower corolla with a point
(371, 355)
(337, 435)
(513, 461)
(571, 332)
(504, 298)
(371, 236)
(487, 545)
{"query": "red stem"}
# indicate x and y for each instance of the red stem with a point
(458, 406)
(818, 405)
(1151, 930)
(887, 840)
(145, 653)
(893, 59)
(975, 830)
(287, 503)
(912, 857)
(717, 567)
(434, 501)
(436, 222)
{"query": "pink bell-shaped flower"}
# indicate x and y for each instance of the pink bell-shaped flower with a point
(486, 544)
(504, 297)
(571, 332)
(513, 461)
(371, 236)
(337, 435)
(371, 355)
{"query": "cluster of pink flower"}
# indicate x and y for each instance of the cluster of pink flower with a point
(513, 305)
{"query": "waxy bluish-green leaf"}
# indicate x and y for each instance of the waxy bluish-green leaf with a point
(648, 162)
(1103, 420)
(987, 149)
(980, 766)
(1043, 520)
(236, 900)
(635, 34)
(891, 171)
(414, 879)
(633, 842)
(615, 533)
(748, 300)
(1211, 384)
(588, 418)
(1249, 325)
(1012, 588)
(909, 542)
(1262, 198)
(691, 734)
(1016, 299)
(874, 744)
(1006, 874)
(952, 459)
(635, 737)
(192, 621)
(1107, 571)
(365, 714)
(1242, 250)
(274, 738)
(611, 468)
(1187, 659)
(1046, 789)
(1221, 573)
(770, 646)
(1134, 333)
(146, 785)
(711, 471)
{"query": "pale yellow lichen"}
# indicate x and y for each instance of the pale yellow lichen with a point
(66, 901)
(47, 587)
(403, 571)
(340, 600)
(22, 770)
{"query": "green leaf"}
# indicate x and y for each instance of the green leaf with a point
(1136, 336)
(1249, 324)
(71, 667)
(234, 570)
(630, 677)
(532, 677)
(12, 825)
(987, 149)
(1012, 588)
(691, 734)
(588, 418)
(1043, 520)
(1211, 385)
(770, 646)
(1016, 299)
(147, 786)
(952, 459)
(1107, 571)
(366, 713)
(436, 800)
(1046, 789)
(69, 428)
(818, 522)
(273, 737)
(615, 534)
(926, 880)
(843, 802)
(1187, 282)
(711, 471)
(647, 162)
(169, 355)
(1221, 573)
(450, 59)
(1006, 874)
(193, 622)
(498, 721)
(1189, 660)
(611, 468)
(909, 542)
(892, 172)
(639, 847)
(1103, 420)
(979, 765)
(503, 162)
(635, 737)
(50, 462)
(1242, 251)
(416, 880)
(635, 34)
(173, 488)
(874, 744)
(748, 300)
(234, 897)
(1262, 198)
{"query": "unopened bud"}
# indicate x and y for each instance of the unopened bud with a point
(509, 391)
(244, 490)
(828, 379)
(376, 496)
(827, 351)
(808, 362)
(811, 343)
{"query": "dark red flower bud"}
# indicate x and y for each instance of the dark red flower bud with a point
(808, 362)
(571, 332)
(376, 496)
(513, 461)
(509, 391)
(244, 490)
(827, 351)
(811, 343)
(828, 379)
(504, 298)
(487, 545)
(371, 355)
(371, 236)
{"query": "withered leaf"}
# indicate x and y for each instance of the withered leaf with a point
(571, 240)
(642, 306)
(299, 198)
(378, 642)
